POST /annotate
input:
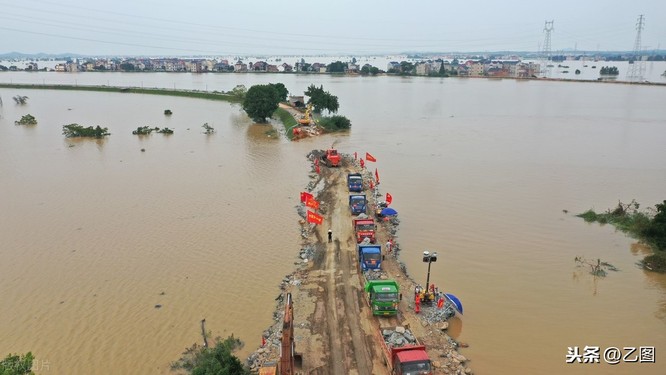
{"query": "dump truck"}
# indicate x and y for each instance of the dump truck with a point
(358, 204)
(364, 228)
(355, 182)
(370, 257)
(331, 158)
(403, 353)
(383, 296)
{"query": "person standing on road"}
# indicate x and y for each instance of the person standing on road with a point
(389, 246)
(330, 236)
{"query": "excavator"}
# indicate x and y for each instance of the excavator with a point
(305, 120)
(289, 359)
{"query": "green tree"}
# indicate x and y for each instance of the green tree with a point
(374, 70)
(337, 67)
(239, 92)
(406, 67)
(128, 67)
(321, 99)
(365, 70)
(281, 90)
(260, 102)
(14, 364)
(656, 230)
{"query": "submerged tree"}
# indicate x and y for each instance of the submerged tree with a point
(208, 129)
(20, 99)
(76, 130)
(26, 120)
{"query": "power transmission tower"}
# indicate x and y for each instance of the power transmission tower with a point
(545, 53)
(637, 67)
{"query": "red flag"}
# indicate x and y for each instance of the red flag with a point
(389, 198)
(377, 176)
(314, 218)
(316, 162)
(355, 155)
(305, 196)
(362, 163)
(263, 341)
(311, 202)
(372, 185)
(369, 157)
(317, 168)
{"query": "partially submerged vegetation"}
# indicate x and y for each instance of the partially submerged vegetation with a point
(15, 364)
(20, 99)
(649, 226)
(216, 360)
(598, 268)
(335, 123)
(76, 130)
(167, 112)
(208, 129)
(26, 120)
(145, 130)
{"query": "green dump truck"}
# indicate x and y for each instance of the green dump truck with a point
(383, 296)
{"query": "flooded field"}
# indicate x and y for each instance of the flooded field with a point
(97, 233)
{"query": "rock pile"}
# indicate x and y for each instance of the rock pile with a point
(398, 337)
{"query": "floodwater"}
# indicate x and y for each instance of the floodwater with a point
(96, 233)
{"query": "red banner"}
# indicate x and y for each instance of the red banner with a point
(316, 162)
(377, 176)
(369, 157)
(389, 198)
(305, 196)
(362, 163)
(314, 218)
(311, 202)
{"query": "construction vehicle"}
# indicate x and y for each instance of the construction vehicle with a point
(290, 361)
(355, 182)
(364, 228)
(331, 158)
(370, 257)
(383, 296)
(409, 359)
(305, 119)
(358, 204)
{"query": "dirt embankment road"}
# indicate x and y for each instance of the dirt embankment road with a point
(334, 329)
(339, 320)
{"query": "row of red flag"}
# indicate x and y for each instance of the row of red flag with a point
(309, 201)
(371, 158)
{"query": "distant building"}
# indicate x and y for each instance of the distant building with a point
(297, 101)
(393, 65)
(240, 67)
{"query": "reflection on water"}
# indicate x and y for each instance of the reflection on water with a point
(479, 170)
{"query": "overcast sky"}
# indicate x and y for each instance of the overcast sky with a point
(263, 27)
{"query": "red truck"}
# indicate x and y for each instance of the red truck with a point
(364, 228)
(408, 359)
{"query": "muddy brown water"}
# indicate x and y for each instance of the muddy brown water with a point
(96, 233)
